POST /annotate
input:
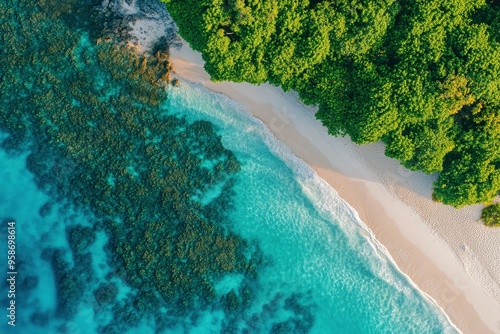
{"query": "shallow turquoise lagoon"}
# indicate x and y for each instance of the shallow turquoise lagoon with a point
(322, 271)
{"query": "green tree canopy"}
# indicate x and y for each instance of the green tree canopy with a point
(422, 76)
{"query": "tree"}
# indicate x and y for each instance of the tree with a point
(422, 76)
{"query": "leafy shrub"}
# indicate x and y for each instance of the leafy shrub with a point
(491, 215)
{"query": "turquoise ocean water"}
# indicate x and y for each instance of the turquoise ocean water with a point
(322, 271)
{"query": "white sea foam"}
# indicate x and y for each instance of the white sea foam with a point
(331, 205)
(322, 196)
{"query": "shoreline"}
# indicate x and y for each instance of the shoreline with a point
(442, 250)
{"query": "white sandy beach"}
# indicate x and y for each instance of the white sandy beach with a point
(449, 254)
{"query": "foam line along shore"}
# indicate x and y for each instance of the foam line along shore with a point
(445, 251)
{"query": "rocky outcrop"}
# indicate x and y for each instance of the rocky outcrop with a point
(143, 24)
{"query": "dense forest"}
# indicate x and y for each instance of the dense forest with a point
(423, 76)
